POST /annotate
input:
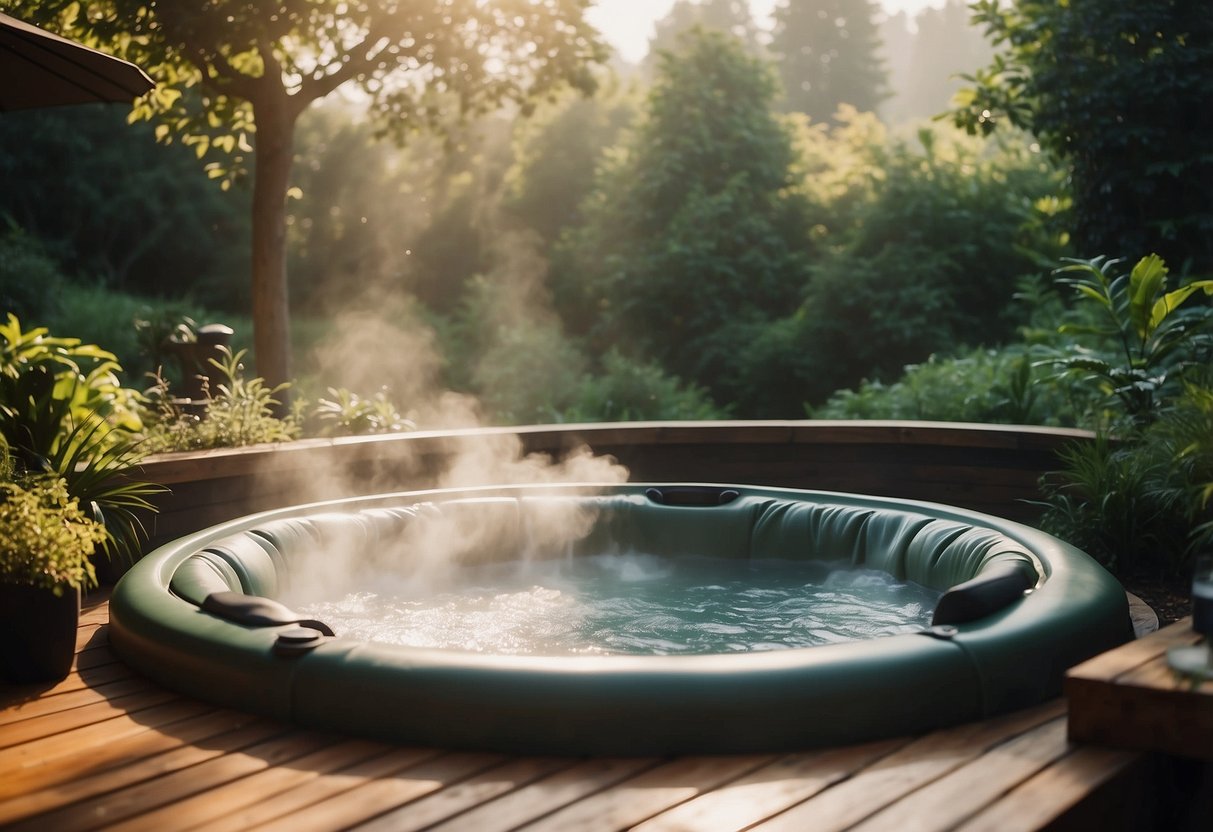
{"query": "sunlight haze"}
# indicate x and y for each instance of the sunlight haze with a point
(628, 24)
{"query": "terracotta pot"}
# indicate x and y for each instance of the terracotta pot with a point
(37, 633)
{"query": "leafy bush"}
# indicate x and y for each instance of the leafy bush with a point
(928, 241)
(1110, 501)
(63, 412)
(1183, 436)
(1142, 501)
(1119, 90)
(694, 224)
(129, 326)
(628, 390)
(46, 540)
(978, 386)
(348, 414)
(30, 278)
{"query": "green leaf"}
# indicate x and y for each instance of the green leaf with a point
(1171, 301)
(1146, 281)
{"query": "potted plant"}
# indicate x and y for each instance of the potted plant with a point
(67, 450)
(46, 548)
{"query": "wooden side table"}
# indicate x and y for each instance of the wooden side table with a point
(1130, 698)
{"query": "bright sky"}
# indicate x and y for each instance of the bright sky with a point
(628, 24)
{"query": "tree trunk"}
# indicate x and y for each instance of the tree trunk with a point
(271, 178)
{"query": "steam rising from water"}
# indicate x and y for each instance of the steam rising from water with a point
(384, 342)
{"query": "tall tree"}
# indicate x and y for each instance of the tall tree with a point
(557, 153)
(259, 65)
(944, 45)
(828, 54)
(732, 17)
(1119, 90)
(115, 208)
(694, 236)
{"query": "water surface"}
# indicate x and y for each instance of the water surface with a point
(635, 605)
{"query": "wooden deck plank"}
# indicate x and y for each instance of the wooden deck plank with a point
(957, 796)
(238, 794)
(167, 754)
(58, 723)
(199, 723)
(770, 790)
(1042, 799)
(384, 794)
(1122, 701)
(923, 761)
(98, 613)
(106, 670)
(85, 739)
(548, 794)
(220, 767)
(86, 695)
(91, 636)
(321, 788)
(638, 798)
(95, 657)
(476, 790)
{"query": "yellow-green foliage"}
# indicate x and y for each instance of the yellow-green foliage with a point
(45, 539)
(239, 412)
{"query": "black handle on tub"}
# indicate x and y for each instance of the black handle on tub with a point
(256, 611)
(692, 495)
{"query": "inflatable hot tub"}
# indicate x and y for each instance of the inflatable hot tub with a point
(202, 615)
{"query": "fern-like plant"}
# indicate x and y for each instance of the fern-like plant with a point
(1156, 338)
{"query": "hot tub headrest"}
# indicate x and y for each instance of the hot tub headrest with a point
(994, 589)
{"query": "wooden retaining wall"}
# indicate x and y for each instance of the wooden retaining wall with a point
(988, 468)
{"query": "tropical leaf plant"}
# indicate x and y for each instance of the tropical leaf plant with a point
(83, 374)
(1155, 339)
(63, 413)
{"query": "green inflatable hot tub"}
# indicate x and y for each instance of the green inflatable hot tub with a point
(202, 615)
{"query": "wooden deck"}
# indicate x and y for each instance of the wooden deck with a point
(107, 749)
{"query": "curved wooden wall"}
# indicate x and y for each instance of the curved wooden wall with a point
(989, 468)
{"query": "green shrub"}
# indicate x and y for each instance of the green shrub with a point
(628, 390)
(1141, 502)
(46, 540)
(240, 411)
(64, 412)
(1183, 436)
(1113, 502)
(129, 326)
(922, 245)
(982, 385)
(346, 413)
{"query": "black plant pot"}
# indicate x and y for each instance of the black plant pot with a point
(37, 633)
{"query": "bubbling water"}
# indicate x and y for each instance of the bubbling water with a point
(634, 605)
